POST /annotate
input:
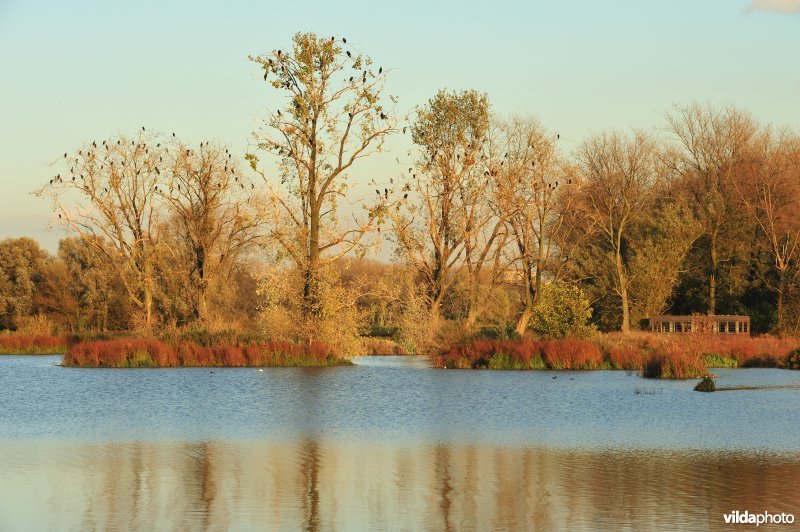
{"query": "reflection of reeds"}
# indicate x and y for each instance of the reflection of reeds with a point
(20, 344)
(137, 353)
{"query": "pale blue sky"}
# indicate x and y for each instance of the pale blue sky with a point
(75, 71)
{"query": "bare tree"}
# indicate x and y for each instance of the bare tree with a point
(335, 116)
(713, 142)
(769, 188)
(483, 223)
(209, 199)
(433, 228)
(108, 195)
(536, 191)
(619, 175)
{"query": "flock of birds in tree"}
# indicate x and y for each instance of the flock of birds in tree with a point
(89, 157)
(492, 171)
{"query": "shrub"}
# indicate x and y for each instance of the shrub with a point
(38, 325)
(562, 311)
(337, 320)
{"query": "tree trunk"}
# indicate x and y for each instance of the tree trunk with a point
(531, 298)
(311, 296)
(202, 309)
(712, 280)
(779, 318)
(623, 293)
(472, 314)
(435, 309)
(202, 284)
(148, 303)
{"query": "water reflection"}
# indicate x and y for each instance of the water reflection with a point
(327, 484)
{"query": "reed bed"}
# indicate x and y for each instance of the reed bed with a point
(151, 353)
(654, 356)
(20, 344)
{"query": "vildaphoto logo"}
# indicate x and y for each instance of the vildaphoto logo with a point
(764, 518)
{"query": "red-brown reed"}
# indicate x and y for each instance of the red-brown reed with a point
(134, 352)
(25, 344)
(655, 355)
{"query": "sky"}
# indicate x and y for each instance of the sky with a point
(81, 70)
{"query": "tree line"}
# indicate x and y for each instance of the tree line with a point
(494, 224)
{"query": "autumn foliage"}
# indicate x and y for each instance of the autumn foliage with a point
(122, 353)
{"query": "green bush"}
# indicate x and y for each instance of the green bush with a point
(562, 311)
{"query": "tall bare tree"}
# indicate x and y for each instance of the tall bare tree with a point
(108, 195)
(432, 228)
(619, 174)
(335, 115)
(769, 187)
(713, 142)
(536, 190)
(209, 199)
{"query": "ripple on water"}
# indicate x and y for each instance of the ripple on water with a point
(387, 444)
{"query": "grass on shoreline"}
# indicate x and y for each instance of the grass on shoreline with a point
(18, 344)
(654, 356)
(150, 353)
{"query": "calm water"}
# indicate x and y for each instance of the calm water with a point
(389, 445)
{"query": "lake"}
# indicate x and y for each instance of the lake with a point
(389, 444)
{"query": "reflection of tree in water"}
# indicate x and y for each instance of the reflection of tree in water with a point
(318, 484)
(309, 471)
(443, 487)
(206, 483)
